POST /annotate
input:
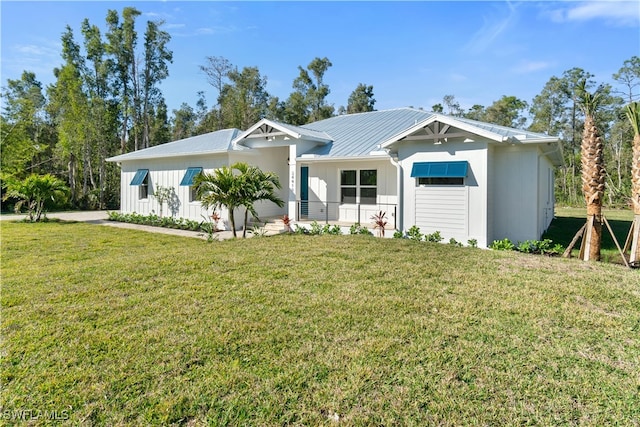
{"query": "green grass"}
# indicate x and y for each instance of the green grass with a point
(569, 220)
(108, 326)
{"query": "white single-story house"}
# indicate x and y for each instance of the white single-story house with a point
(463, 178)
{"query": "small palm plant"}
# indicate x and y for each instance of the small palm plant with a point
(379, 222)
(287, 222)
(35, 192)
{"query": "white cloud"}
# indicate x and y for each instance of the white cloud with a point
(525, 67)
(492, 28)
(456, 77)
(613, 12)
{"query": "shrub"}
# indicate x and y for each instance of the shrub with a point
(540, 247)
(472, 243)
(316, 229)
(502, 245)
(454, 242)
(414, 233)
(333, 230)
(359, 229)
(300, 230)
(433, 237)
(165, 222)
(398, 234)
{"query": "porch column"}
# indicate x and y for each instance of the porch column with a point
(292, 178)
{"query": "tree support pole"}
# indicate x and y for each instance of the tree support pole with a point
(567, 252)
(624, 259)
(633, 242)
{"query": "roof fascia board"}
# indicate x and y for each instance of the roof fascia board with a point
(301, 159)
(163, 156)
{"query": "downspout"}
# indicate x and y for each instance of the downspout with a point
(393, 157)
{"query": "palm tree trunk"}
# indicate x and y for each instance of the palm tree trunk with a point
(244, 227)
(233, 221)
(593, 183)
(635, 201)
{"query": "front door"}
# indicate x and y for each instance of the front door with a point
(304, 191)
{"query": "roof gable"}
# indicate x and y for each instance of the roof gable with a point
(439, 126)
(269, 130)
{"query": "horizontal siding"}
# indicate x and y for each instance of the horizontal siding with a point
(442, 209)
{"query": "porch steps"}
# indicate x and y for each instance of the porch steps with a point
(274, 226)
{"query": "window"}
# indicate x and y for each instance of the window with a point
(141, 180)
(348, 186)
(368, 190)
(440, 181)
(359, 186)
(187, 180)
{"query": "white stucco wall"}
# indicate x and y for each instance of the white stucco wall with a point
(521, 193)
(472, 198)
(170, 171)
(166, 172)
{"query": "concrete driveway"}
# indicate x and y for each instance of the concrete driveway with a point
(101, 218)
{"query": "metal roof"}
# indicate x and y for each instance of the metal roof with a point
(359, 134)
(340, 137)
(208, 143)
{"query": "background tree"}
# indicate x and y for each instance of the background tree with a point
(26, 134)
(507, 111)
(69, 105)
(437, 108)
(629, 77)
(244, 100)
(156, 69)
(361, 99)
(217, 69)
(476, 112)
(452, 106)
(122, 40)
(184, 122)
(308, 102)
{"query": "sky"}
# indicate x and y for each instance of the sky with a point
(412, 53)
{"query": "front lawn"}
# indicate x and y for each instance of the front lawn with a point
(104, 326)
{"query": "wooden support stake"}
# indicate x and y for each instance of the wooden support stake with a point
(627, 243)
(585, 248)
(624, 259)
(635, 243)
(567, 252)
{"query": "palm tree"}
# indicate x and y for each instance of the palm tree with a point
(633, 113)
(220, 188)
(237, 185)
(256, 186)
(593, 173)
(35, 192)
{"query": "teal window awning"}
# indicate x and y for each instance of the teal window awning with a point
(439, 169)
(187, 179)
(140, 176)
